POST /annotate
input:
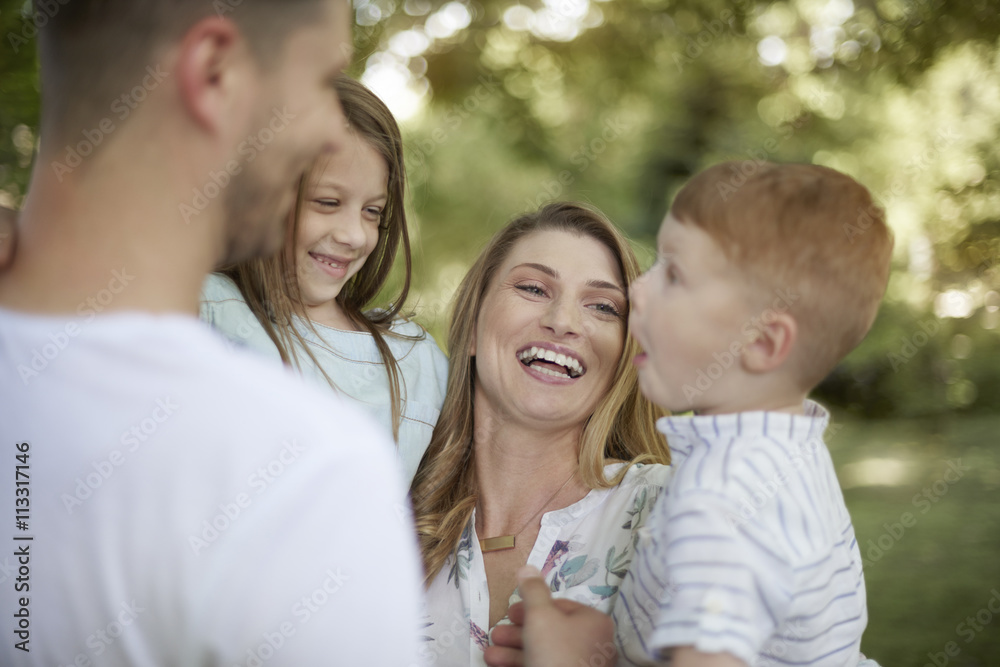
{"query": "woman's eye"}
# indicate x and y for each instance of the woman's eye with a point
(608, 308)
(531, 289)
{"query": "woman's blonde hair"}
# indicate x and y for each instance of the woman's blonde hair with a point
(270, 286)
(445, 491)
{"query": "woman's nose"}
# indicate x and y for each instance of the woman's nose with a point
(561, 317)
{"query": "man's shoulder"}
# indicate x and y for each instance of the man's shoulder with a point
(140, 353)
(256, 389)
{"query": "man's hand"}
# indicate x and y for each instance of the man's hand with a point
(8, 236)
(555, 633)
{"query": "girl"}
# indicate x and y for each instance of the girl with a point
(306, 305)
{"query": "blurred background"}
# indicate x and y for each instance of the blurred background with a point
(505, 106)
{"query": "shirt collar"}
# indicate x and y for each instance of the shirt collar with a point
(684, 433)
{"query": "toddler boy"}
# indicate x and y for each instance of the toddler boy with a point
(768, 275)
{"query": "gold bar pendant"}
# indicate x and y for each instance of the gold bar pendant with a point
(496, 543)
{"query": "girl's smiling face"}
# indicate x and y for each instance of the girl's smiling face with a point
(339, 226)
(551, 330)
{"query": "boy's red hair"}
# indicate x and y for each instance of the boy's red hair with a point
(806, 229)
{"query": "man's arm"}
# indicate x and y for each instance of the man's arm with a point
(555, 633)
(563, 633)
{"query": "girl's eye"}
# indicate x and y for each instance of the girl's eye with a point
(531, 288)
(327, 203)
(373, 213)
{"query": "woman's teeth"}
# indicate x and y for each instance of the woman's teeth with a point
(572, 366)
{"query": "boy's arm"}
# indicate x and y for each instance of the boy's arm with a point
(688, 656)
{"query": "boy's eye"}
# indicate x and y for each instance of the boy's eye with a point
(672, 276)
(669, 269)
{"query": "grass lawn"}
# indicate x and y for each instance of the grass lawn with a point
(929, 532)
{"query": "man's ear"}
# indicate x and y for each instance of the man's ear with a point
(209, 74)
(772, 343)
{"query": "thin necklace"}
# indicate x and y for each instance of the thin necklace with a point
(505, 542)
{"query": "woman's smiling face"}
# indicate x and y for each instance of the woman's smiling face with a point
(551, 330)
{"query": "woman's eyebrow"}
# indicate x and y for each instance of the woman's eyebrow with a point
(604, 284)
(549, 271)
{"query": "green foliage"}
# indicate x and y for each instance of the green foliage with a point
(19, 99)
(929, 572)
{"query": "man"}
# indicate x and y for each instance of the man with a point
(171, 501)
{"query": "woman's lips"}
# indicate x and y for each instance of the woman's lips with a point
(547, 376)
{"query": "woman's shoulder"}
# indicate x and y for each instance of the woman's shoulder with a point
(641, 486)
(647, 474)
(625, 507)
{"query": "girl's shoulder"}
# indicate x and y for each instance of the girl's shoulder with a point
(403, 326)
(411, 332)
(218, 287)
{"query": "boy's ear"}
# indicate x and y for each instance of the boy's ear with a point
(773, 342)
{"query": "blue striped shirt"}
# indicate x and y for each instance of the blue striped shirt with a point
(750, 552)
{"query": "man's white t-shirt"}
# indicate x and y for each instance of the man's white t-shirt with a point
(167, 500)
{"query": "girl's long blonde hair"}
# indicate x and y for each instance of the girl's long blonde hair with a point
(445, 491)
(270, 286)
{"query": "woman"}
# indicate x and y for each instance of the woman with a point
(307, 304)
(545, 453)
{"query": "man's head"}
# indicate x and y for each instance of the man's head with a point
(236, 95)
(796, 257)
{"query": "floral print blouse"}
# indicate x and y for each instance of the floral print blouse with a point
(583, 551)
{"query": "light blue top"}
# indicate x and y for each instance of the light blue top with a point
(352, 361)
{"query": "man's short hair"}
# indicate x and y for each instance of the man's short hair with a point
(95, 51)
(809, 230)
